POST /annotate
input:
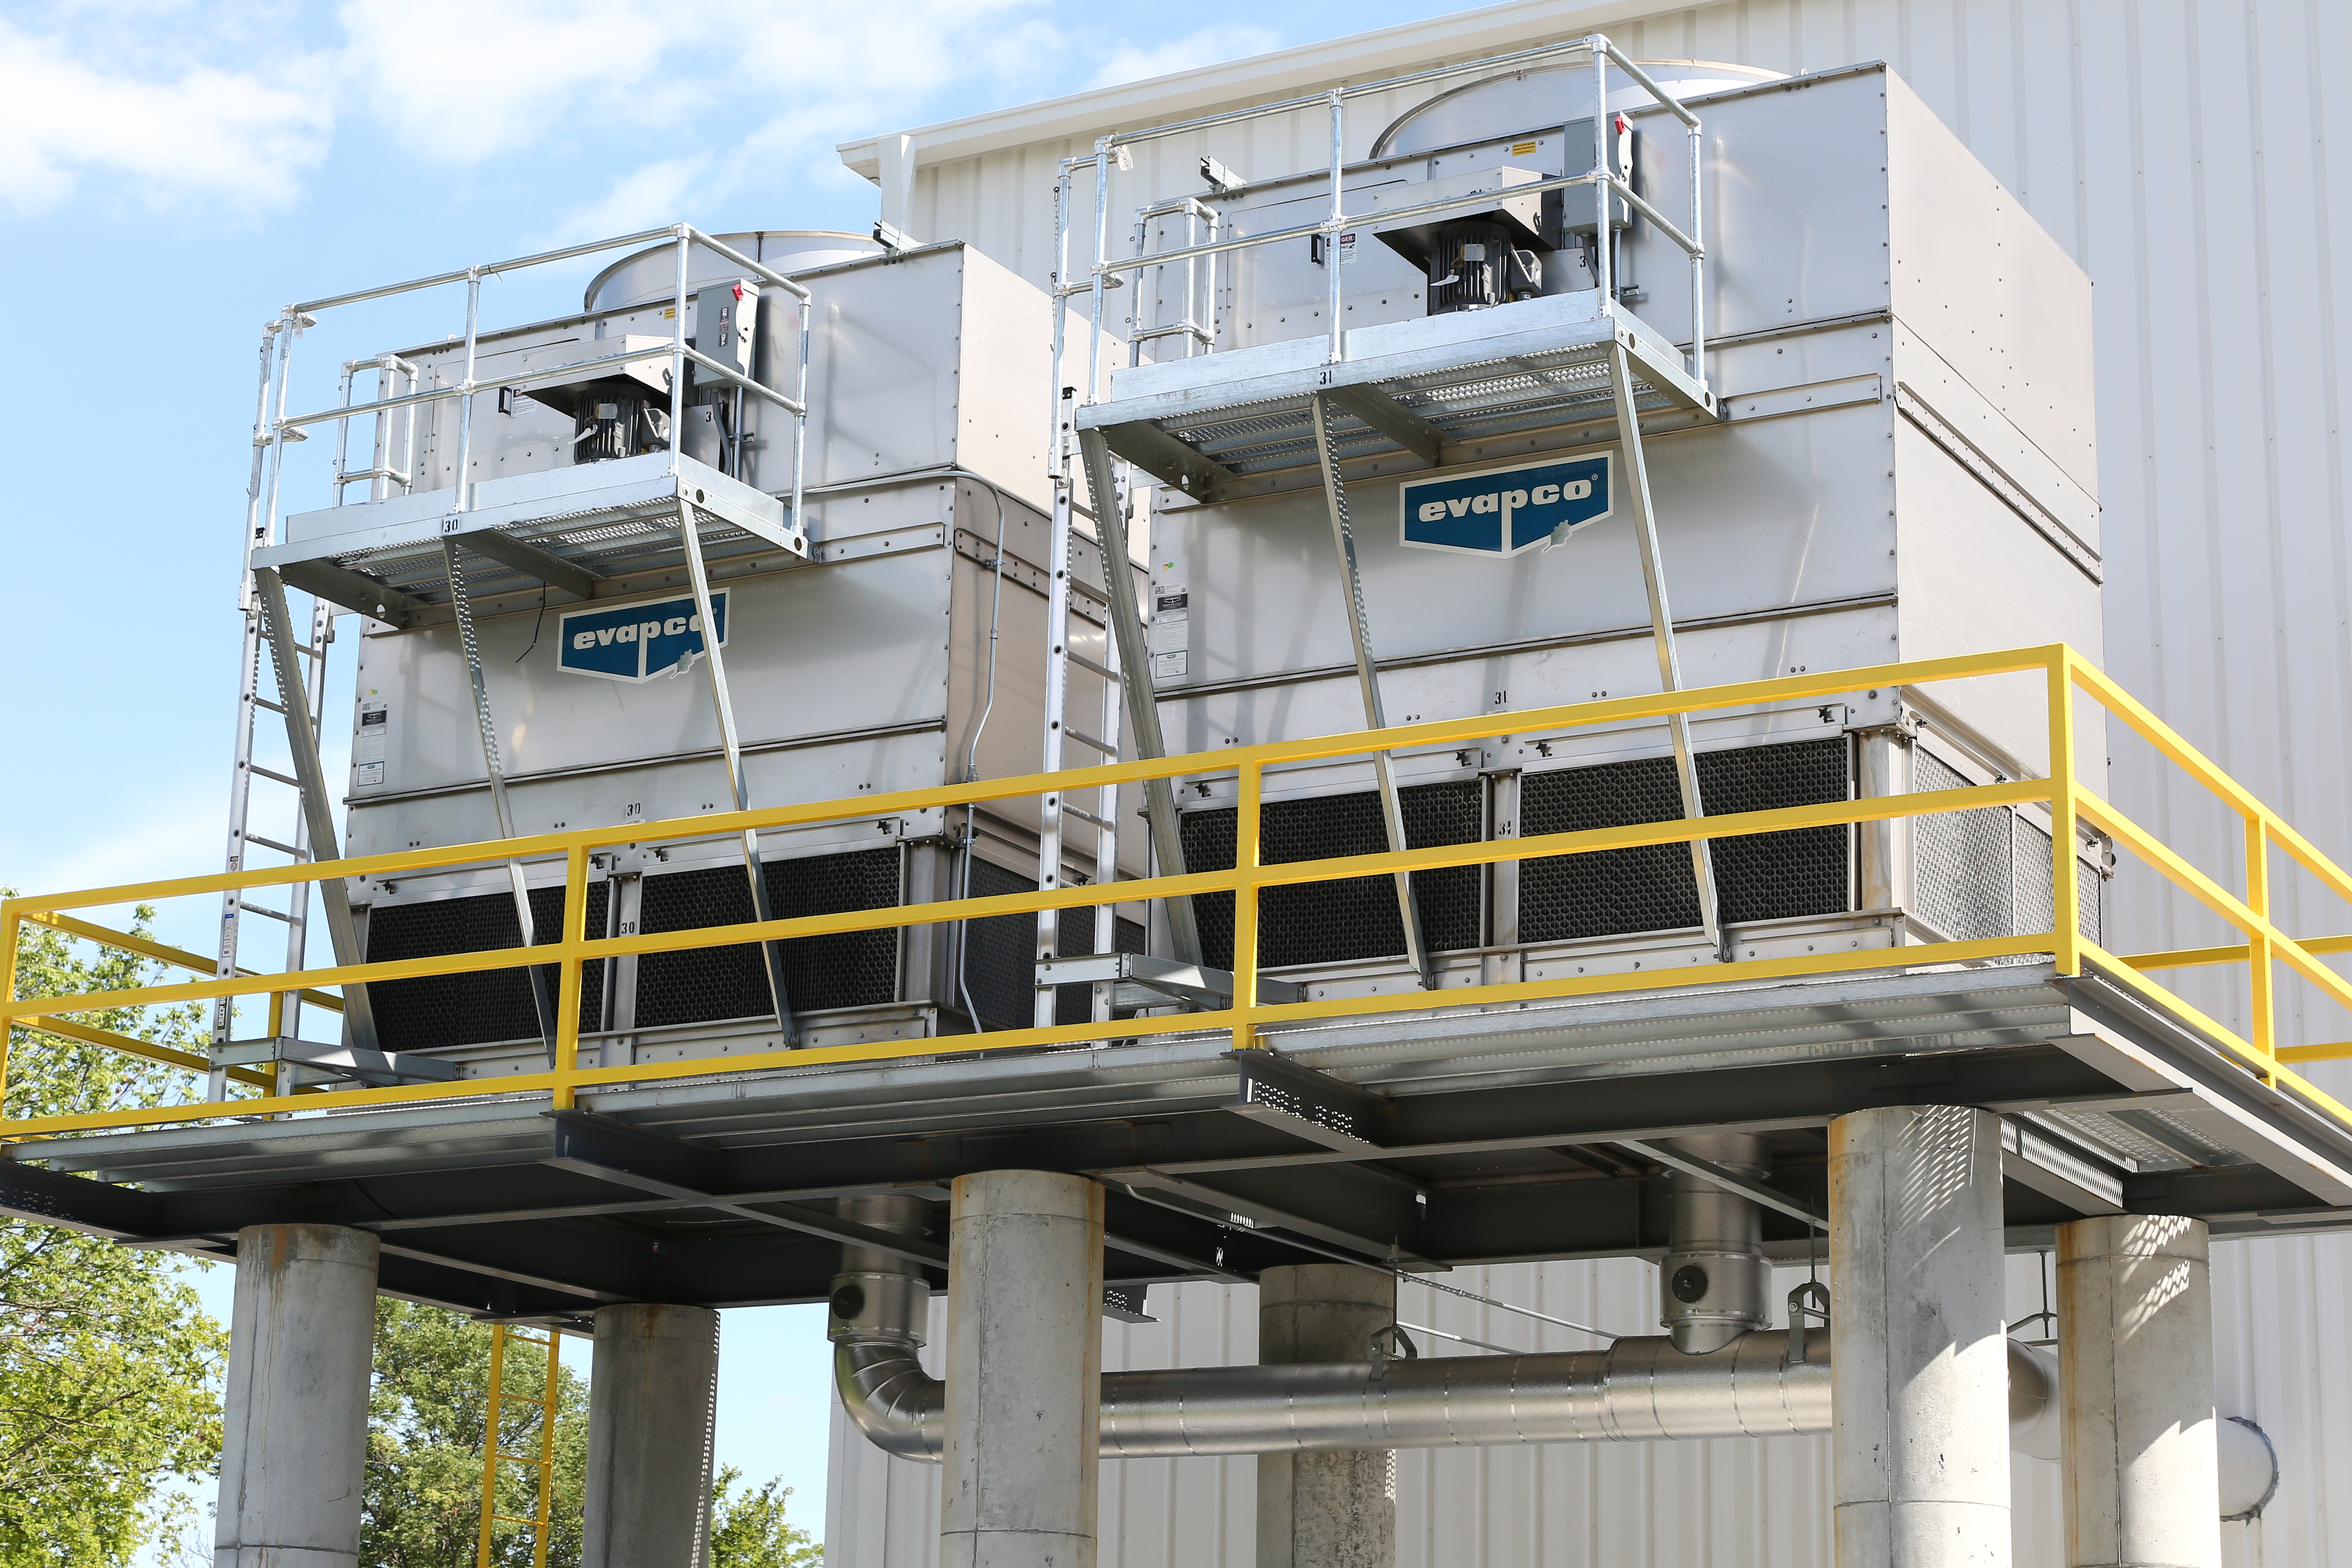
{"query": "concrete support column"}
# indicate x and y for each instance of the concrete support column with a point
(652, 1404)
(1024, 1369)
(294, 1434)
(2135, 1382)
(1325, 1510)
(1918, 1353)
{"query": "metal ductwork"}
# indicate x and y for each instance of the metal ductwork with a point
(1639, 1388)
(1715, 1278)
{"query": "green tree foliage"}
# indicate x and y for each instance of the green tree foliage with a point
(426, 1418)
(109, 1369)
(750, 1530)
(427, 1415)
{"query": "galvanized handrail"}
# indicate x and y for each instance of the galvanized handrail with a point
(2066, 678)
(1602, 53)
(276, 430)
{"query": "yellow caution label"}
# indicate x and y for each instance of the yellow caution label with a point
(1521, 148)
(669, 312)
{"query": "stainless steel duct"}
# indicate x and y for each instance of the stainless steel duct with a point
(1713, 1279)
(1639, 1388)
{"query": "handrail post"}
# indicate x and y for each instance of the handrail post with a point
(2065, 892)
(2262, 999)
(1332, 227)
(571, 977)
(466, 396)
(677, 357)
(12, 931)
(1248, 803)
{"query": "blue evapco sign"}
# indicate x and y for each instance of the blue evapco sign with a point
(636, 642)
(1501, 511)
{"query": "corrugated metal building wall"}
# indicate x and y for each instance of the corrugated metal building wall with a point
(2180, 151)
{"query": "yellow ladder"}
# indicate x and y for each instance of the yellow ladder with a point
(501, 1336)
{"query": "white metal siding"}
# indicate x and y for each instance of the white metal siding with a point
(2180, 152)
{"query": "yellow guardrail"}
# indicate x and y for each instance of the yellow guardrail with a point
(2065, 678)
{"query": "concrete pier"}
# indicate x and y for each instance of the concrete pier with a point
(651, 1403)
(1024, 1372)
(1919, 1355)
(1325, 1510)
(294, 1434)
(2137, 1423)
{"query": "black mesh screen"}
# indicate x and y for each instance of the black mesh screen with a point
(850, 969)
(433, 1012)
(1614, 892)
(1333, 923)
(1000, 955)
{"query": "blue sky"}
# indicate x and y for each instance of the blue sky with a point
(172, 171)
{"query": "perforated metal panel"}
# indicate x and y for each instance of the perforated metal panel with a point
(850, 969)
(1333, 923)
(1768, 876)
(1000, 956)
(1986, 873)
(436, 1012)
(1963, 867)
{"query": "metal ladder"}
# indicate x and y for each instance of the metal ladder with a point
(549, 1400)
(1129, 719)
(298, 670)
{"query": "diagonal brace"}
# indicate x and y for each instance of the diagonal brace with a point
(310, 775)
(1135, 683)
(542, 1000)
(730, 744)
(1662, 633)
(1368, 680)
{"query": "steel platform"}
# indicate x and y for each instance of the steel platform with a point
(1206, 424)
(565, 528)
(1437, 1138)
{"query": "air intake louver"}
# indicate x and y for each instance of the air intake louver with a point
(436, 1012)
(852, 969)
(1333, 923)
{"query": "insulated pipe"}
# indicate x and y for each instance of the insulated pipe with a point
(1638, 1388)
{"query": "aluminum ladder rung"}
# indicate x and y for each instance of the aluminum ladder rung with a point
(273, 775)
(1083, 815)
(282, 849)
(1083, 662)
(244, 907)
(1083, 739)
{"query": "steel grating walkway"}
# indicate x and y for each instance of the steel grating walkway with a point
(567, 528)
(1415, 388)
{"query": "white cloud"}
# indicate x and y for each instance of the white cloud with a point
(1207, 46)
(654, 194)
(193, 131)
(462, 81)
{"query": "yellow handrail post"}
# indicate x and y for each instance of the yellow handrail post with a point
(1247, 805)
(569, 984)
(2065, 892)
(490, 1446)
(12, 929)
(2261, 1001)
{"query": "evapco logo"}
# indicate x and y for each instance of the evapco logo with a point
(637, 642)
(1501, 511)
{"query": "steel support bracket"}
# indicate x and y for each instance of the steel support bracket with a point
(668, 1167)
(1310, 1104)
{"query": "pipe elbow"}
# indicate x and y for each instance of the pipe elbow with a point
(900, 1408)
